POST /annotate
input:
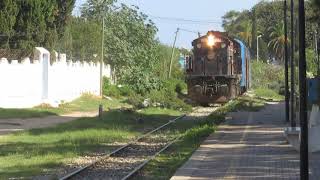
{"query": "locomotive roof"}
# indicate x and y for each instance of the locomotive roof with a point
(219, 34)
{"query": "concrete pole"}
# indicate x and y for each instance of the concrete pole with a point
(101, 60)
(258, 47)
(317, 52)
(172, 54)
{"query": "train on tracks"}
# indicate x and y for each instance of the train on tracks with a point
(218, 70)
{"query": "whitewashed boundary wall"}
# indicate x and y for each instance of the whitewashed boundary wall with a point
(25, 84)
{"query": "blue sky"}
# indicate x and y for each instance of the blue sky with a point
(209, 12)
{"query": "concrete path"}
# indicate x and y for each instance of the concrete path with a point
(250, 146)
(11, 125)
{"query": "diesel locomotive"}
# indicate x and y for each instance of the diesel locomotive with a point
(218, 70)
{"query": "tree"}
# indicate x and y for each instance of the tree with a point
(96, 9)
(9, 11)
(36, 22)
(316, 3)
(229, 21)
(130, 44)
(81, 40)
(246, 33)
(62, 15)
(278, 40)
(253, 31)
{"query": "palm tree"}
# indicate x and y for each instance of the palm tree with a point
(246, 34)
(277, 41)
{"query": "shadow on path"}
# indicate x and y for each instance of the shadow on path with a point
(11, 125)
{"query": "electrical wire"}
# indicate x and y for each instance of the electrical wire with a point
(184, 20)
(190, 31)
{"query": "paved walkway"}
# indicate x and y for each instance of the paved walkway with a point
(250, 146)
(11, 125)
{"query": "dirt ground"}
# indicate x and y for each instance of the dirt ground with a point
(12, 125)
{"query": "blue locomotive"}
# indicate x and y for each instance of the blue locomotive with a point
(218, 70)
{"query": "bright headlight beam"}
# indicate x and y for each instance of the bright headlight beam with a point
(211, 40)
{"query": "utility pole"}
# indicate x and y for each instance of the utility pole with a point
(172, 54)
(101, 60)
(293, 121)
(318, 56)
(316, 50)
(286, 62)
(304, 149)
(258, 47)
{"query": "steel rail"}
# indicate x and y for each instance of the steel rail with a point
(137, 169)
(70, 175)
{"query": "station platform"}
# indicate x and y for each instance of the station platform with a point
(251, 145)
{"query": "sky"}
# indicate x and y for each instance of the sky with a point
(189, 15)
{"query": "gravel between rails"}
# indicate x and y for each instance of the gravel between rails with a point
(123, 162)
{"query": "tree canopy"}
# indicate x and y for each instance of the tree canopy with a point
(130, 43)
(266, 19)
(26, 24)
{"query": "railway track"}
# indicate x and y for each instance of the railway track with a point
(125, 161)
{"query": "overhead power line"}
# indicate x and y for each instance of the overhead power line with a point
(185, 20)
(190, 31)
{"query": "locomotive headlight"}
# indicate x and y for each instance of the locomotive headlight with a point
(211, 40)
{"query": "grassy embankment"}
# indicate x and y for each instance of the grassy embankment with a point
(39, 151)
(86, 103)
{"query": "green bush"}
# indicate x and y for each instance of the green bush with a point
(267, 76)
(175, 85)
(141, 81)
(168, 96)
(181, 87)
(268, 93)
(109, 89)
(126, 91)
(312, 64)
(113, 91)
(136, 100)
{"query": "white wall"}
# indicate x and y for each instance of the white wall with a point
(26, 84)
